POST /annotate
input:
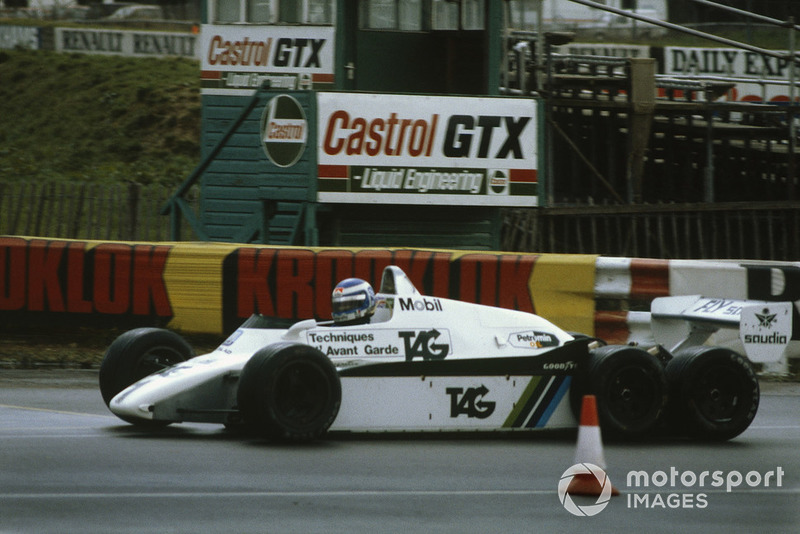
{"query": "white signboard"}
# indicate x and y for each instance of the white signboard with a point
(126, 43)
(403, 149)
(19, 36)
(734, 63)
(237, 59)
(604, 49)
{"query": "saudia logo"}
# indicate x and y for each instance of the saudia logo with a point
(283, 130)
(772, 339)
(766, 320)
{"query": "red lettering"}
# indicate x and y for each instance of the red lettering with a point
(12, 273)
(339, 116)
(369, 265)
(253, 291)
(293, 287)
(415, 264)
(149, 290)
(44, 287)
(112, 278)
(216, 41)
(374, 144)
(76, 258)
(515, 275)
(431, 132)
(355, 143)
(478, 278)
(332, 266)
(392, 136)
(442, 262)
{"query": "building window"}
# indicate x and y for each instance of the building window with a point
(273, 11)
(228, 11)
(417, 15)
(391, 15)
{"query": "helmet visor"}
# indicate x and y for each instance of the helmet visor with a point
(348, 303)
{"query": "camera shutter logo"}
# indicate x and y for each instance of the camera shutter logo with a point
(602, 499)
(284, 130)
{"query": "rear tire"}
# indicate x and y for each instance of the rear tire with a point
(289, 391)
(630, 388)
(714, 393)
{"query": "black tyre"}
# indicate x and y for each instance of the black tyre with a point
(289, 391)
(137, 354)
(714, 393)
(630, 387)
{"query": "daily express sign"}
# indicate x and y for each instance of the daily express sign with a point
(404, 149)
(731, 62)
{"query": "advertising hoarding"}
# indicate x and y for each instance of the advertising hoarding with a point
(770, 75)
(417, 149)
(236, 60)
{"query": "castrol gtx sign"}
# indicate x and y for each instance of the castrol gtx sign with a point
(402, 149)
(237, 59)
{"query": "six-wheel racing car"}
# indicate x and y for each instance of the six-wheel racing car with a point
(420, 363)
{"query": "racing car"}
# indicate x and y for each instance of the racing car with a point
(421, 363)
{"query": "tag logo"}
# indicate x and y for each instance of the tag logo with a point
(470, 403)
(425, 344)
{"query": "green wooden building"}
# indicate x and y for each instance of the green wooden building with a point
(358, 123)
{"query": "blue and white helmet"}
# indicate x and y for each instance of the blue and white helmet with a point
(352, 299)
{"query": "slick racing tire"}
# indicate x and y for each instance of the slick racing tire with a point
(714, 393)
(137, 354)
(630, 387)
(289, 391)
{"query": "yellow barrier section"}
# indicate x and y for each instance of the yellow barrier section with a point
(563, 289)
(214, 287)
(193, 277)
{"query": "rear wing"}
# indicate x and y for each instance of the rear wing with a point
(765, 328)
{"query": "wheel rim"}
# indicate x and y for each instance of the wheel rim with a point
(301, 393)
(631, 394)
(716, 393)
(155, 360)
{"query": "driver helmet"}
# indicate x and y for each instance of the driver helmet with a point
(353, 299)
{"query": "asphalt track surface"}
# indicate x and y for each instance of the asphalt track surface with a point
(68, 465)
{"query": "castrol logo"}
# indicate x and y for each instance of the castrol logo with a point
(284, 130)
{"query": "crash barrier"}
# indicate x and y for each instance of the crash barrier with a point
(213, 287)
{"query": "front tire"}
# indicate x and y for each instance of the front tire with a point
(136, 354)
(289, 391)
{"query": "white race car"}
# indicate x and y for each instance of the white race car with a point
(428, 364)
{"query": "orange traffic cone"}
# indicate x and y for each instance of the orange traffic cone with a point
(590, 453)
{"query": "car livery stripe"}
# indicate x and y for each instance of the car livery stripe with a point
(538, 401)
(560, 390)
